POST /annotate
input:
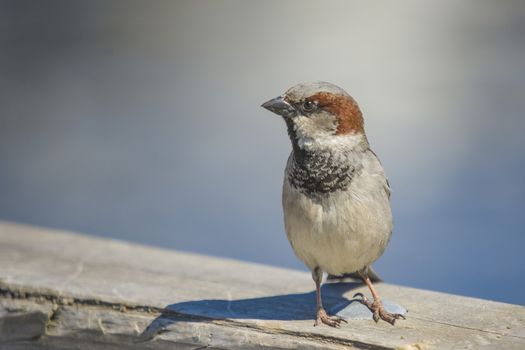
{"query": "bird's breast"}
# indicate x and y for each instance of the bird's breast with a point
(342, 229)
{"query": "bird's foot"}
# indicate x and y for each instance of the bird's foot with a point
(378, 310)
(332, 321)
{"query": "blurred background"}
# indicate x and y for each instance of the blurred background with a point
(140, 120)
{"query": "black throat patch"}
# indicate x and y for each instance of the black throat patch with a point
(316, 173)
(320, 172)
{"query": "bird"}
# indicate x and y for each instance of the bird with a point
(335, 196)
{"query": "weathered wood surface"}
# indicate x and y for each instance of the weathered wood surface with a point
(60, 290)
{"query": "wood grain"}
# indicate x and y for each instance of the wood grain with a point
(60, 290)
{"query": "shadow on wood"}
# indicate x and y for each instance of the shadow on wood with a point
(287, 307)
(68, 290)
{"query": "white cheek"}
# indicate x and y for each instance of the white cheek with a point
(303, 130)
(301, 126)
(320, 133)
(315, 126)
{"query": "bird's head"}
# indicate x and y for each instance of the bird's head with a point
(318, 113)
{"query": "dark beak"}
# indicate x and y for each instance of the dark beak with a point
(279, 106)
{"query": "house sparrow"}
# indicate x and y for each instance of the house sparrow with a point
(336, 197)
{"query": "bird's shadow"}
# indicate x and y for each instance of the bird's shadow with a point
(286, 307)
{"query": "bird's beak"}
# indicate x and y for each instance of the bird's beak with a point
(279, 106)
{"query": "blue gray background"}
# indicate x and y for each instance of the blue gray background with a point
(141, 121)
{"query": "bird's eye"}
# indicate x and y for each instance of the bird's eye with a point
(309, 106)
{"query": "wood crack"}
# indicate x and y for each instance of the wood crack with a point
(466, 327)
(23, 293)
(98, 293)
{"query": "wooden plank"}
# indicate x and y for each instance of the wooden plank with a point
(62, 289)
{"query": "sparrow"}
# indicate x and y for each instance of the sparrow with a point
(336, 196)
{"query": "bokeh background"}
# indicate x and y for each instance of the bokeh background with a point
(141, 121)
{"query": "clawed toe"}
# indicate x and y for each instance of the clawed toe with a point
(389, 317)
(378, 310)
(332, 321)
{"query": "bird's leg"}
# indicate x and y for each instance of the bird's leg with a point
(376, 306)
(322, 316)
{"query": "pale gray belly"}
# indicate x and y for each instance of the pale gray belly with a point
(343, 231)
